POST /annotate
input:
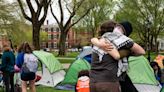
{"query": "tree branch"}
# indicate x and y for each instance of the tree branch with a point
(67, 6)
(37, 2)
(136, 4)
(78, 5)
(46, 4)
(30, 7)
(81, 17)
(61, 11)
(23, 12)
(147, 7)
(40, 6)
(54, 14)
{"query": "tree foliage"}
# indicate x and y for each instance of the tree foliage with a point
(139, 12)
(101, 12)
(12, 24)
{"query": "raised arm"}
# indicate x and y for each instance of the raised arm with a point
(107, 47)
(137, 49)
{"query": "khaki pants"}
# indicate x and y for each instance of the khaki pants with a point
(105, 87)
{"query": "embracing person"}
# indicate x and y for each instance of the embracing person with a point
(104, 75)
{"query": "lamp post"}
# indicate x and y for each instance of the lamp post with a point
(148, 37)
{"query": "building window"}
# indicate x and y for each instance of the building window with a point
(49, 36)
(57, 29)
(162, 44)
(55, 45)
(66, 44)
(46, 29)
(55, 37)
(49, 30)
(52, 29)
(52, 36)
(49, 45)
(52, 45)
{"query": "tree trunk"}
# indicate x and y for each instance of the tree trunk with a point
(62, 45)
(156, 43)
(151, 42)
(36, 36)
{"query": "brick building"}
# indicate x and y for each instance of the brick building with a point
(53, 34)
(73, 39)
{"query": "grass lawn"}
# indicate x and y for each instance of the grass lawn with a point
(68, 54)
(48, 89)
(44, 89)
(66, 60)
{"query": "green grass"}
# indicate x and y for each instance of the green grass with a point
(44, 89)
(71, 55)
(68, 54)
(48, 89)
(66, 60)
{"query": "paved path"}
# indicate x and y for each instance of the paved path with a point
(66, 65)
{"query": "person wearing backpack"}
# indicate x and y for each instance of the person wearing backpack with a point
(28, 66)
(8, 61)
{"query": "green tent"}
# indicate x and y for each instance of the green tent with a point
(52, 70)
(142, 75)
(140, 71)
(49, 60)
(74, 69)
(162, 90)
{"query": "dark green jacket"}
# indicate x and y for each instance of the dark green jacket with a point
(8, 61)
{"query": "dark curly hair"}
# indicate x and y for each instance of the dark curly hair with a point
(107, 26)
(153, 64)
(83, 73)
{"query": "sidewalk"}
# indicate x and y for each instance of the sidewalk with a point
(66, 65)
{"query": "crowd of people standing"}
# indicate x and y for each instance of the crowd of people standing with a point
(14, 61)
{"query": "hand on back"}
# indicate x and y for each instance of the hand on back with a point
(105, 45)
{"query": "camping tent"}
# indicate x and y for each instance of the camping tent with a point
(81, 63)
(52, 70)
(142, 75)
(74, 69)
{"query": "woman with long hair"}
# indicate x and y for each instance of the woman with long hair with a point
(24, 53)
(8, 62)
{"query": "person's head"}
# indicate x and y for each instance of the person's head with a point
(107, 26)
(20, 48)
(156, 68)
(6, 47)
(154, 65)
(126, 27)
(27, 48)
(83, 73)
